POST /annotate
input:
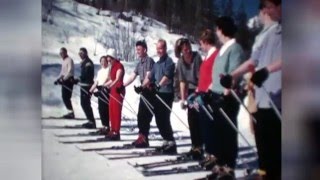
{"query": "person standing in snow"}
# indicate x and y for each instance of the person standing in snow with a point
(208, 44)
(161, 83)
(143, 70)
(66, 80)
(188, 76)
(103, 76)
(117, 92)
(86, 81)
(267, 59)
(224, 137)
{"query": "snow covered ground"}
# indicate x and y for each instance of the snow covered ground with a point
(74, 30)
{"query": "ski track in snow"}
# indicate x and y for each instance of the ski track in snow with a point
(67, 161)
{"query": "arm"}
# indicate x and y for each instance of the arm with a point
(93, 87)
(275, 66)
(183, 91)
(168, 74)
(118, 75)
(146, 79)
(130, 80)
(242, 69)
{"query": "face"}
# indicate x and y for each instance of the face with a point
(161, 50)
(104, 62)
(203, 46)
(110, 60)
(63, 54)
(141, 51)
(273, 11)
(82, 54)
(185, 50)
(219, 34)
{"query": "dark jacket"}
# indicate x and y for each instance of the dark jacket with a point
(87, 71)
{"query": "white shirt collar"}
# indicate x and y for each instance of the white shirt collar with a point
(210, 52)
(226, 46)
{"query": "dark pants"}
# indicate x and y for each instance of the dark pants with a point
(207, 133)
(66, 91)
(144, 115)
(194, 125)
(103, 107)
(268, 141)
(162, 115)
(86, 103)
(221, 139)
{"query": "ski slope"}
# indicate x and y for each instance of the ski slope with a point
(73, 30)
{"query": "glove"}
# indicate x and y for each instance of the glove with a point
(138, 89)
(154, 88)
(206, 97)
(199, 100)
(120, 89)
(259, 77)
(75, 81)
(55, 82)
(226, 81)
(58, 81)
(183, 104)
(96, 94)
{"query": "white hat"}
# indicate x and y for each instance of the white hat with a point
(112, 53)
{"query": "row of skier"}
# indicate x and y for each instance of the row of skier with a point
(209, 89)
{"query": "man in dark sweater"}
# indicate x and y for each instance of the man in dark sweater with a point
(161, 80)
(86, 81)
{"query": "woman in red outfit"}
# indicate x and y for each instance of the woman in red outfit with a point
(117, 92)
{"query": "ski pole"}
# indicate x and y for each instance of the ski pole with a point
(207, 112)
(272, 104)
(121, 104)
(145, 100)
(161, 100)
(128, 104)
(87, 93)
(238, 99)
(107, 99)
(243, 137)
(147, 105)
(235, 128)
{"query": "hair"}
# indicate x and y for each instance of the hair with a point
(164, 43)
(102, 58)
(275, 2)
(208, 36)
(261, 6)
(142, 43)
(227, 26)
(84, 50)
(178, 46)
(64, 49)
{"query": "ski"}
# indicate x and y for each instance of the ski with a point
(175, 170)
(125, 146)
(105, 140)
(90, 141)
(178, 160)
(147, 153)
(62, 118)
(96, 133)
(129, 127)
(137, 154)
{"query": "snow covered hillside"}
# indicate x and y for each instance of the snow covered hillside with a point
(84, 28)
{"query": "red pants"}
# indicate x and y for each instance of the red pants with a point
(115, 109)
